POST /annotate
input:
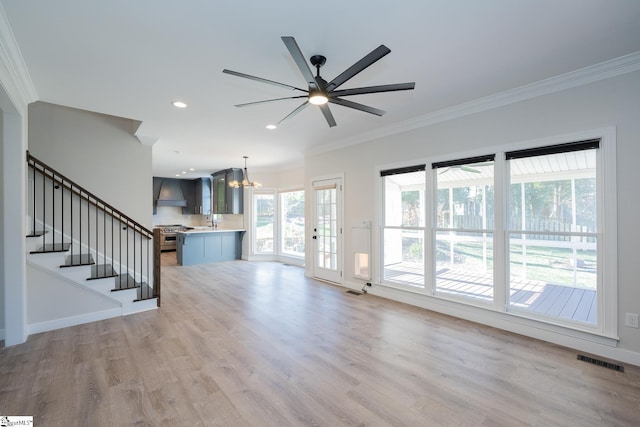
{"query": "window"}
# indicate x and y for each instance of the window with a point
(530, 232)
(553, 231)
(292, 223)
(403, 229)
(264, 215)
(464, 228)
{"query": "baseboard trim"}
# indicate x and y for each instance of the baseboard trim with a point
(80, 319)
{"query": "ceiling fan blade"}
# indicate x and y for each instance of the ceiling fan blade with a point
(374, 89)
(469, 169)
(246, 104)
(369, 59)
(260, 79)
(296, 53)
(327, 115)
(356, 106)
(294, 112)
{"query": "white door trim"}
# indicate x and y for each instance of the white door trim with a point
(319, 183)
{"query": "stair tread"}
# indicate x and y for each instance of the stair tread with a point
(102, 271)
(125, 281)
(78, 260)
(37, 233)
(145, 292)
(52, 247)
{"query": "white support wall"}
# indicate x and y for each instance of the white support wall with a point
(16, 92)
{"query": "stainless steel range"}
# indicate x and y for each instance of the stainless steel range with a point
(168, 235)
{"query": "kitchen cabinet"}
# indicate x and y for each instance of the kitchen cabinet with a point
(197, 247)
(203, 195)
(226, 199)
(197, 192)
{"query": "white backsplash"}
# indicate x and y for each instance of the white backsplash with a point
(173, 215)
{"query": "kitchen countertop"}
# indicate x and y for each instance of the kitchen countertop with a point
(206, 229)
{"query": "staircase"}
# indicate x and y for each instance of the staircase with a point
(80, 239)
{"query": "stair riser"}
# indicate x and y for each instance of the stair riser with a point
(80, 273)
(104, 286)
(139, 306)
(125, 296)
(53, 261)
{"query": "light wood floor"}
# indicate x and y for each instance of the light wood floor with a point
(257, 344)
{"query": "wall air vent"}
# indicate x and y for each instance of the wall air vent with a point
(598, 362)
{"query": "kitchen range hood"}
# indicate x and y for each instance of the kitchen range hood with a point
(171, 194)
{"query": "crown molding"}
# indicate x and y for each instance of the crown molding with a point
(147, 140)
(591, 74)
(14, 75)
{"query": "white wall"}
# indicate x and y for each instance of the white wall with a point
(1, 230)
(12, 226)
(98, 152)
(56, 302)
(608, 103)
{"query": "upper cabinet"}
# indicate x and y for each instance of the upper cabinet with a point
(192, 195)
(226, 199)
(203, 195)
(197, 192)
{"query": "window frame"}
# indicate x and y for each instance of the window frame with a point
(281, 226)
(254, 222)
(435, 228)
(607, 324)
(514, 230)
(423, 229)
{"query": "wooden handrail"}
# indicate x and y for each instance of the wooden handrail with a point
(79, 190)
(134, 253)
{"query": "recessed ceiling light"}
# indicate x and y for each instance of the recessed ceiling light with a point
(271, 127)
(183, 172)
(179, 104)
(192, 169)
(177, 174)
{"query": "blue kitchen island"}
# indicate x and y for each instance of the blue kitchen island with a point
(207, 244)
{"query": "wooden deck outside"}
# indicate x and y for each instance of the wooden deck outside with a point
(531, 295)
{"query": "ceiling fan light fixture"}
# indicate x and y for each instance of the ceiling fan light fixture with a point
(320, 91)
(318, 98)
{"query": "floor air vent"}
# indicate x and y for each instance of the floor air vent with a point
(613, 366)
(354, 292)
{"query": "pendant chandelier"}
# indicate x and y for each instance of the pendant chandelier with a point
(245, 178)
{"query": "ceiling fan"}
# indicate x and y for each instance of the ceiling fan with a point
(319, 91)
(467, 168)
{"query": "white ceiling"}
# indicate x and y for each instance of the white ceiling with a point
(133, 58)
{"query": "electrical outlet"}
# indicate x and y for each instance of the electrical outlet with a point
(631, 320)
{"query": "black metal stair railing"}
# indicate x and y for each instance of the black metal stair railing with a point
(71, 219)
